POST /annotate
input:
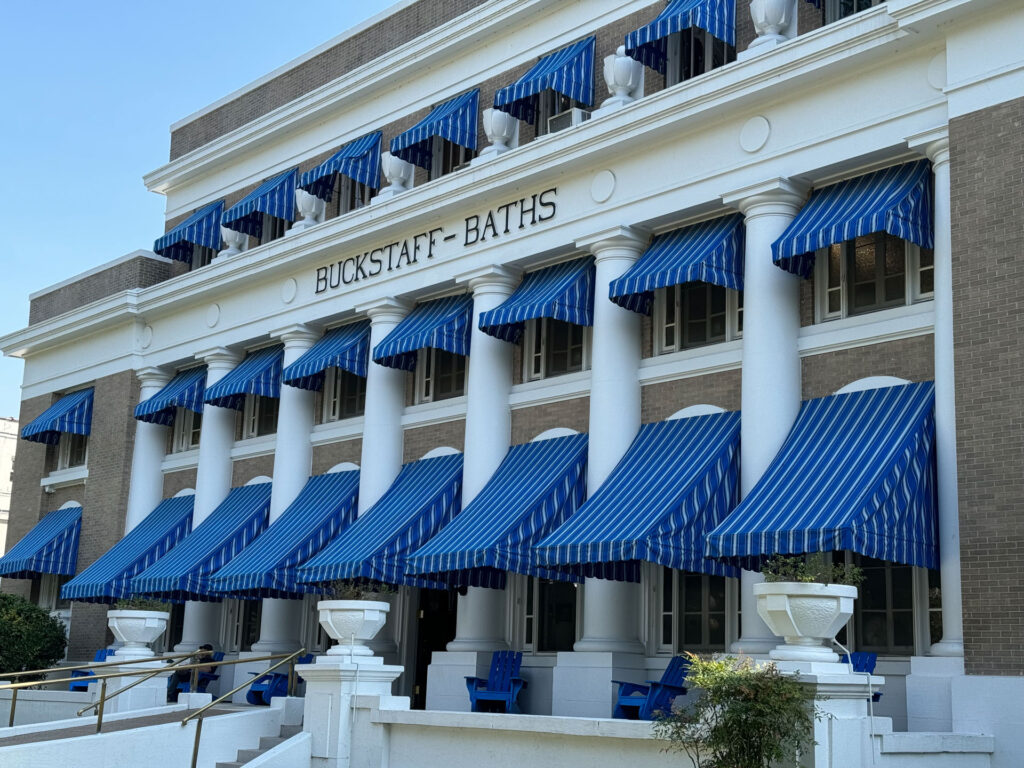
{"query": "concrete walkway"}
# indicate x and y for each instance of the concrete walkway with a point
(108, 727)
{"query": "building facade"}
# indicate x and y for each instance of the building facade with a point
(442, 247)
(8, 446)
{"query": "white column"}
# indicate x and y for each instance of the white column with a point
(771, 383)
(147, 481)
(381, 457)
(480, 620)
(610, 618)
(281, 620)
(952, 643)
(213, 482)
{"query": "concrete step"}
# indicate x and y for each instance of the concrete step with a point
(232, 764)
(935, 750)
(287, 731)
(269, 742)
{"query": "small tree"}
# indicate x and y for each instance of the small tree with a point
(30, 638)
(746, 717)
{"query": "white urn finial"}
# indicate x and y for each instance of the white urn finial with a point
(233, 242)
(624, 77)
(502, 130)
(399, 174)
(774, 21)
(311, 208)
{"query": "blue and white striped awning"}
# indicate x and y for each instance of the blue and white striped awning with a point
(439, 324)
(649, 43)
(677, 481)
(897, 200)
(108, 579)
(359, 160)
(857, 472)
(708, 252)
(563, 292)
(50, 547)
(201, 228)
(347, 348)
(185, 390)
(455, 120)
(258, 374)
(536, 488)
(425, 496)
(275, 197)
(569, 71)
(184, 572)
(72, 414)
(324, 508)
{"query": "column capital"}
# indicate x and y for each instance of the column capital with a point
(385, 309)
(297, 335)
(152, 376)
(613, 239)
(781, 196)
(934, 144)
(493, 278)
(219, 358)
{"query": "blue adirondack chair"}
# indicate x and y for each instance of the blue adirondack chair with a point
(273, 684)
(203, 680)
(864, 663)
(502, 685)
(83, 685)
(639, 702)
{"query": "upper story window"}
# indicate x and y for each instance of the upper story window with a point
(556, 112)
(840, 9)
(202, 256)
(693, 52)
(554, 347)
(187, 426)
(72, 450)
(259, 416)
(344, 395)
(549, 620)
(870, 273)
(440, 375)
(694, 315)
(273, 228)
(693, 612)
(349, 194)
(448, 157)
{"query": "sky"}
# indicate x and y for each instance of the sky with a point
(88, 92)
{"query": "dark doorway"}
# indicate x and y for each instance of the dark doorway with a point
(435, 628)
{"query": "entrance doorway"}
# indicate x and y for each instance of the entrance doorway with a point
(435, 628)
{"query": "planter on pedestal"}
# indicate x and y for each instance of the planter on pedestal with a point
(351, 623)
(136, 630)
(806, 615)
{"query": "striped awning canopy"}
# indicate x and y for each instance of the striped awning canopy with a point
(563, 292)
(185, 390)
(258, 374)
(359, 160)
(455, 120)
(50, 547)
(857, 473)
(325, 507)
(569, 71)
(201, 228)
(708, 252)
(425, 496)
(677, 481)
(439, 324)
(275, 197)
(347, 348)
(897, 200)
(184, 572)
(537, 486)
(108, 579)
(649, 44)
(72, 414)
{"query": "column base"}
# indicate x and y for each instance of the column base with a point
(607, 645)
(756, 647)
(930, 692)
(477, 645)
(947, 648)
(446, 677)
(582, 681)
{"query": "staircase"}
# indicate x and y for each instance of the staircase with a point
(267, 743)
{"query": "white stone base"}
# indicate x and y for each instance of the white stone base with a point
(929, 692)
(582, 681)
(991, 705)
(446, 678)
(145, 695)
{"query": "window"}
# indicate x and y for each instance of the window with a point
(550, 616)
(201, 257)
(554, 347)
(349, 194)
(440, 375)
(187, 426)
(693, 52)
(273, 228)
(260, 416)
(692, 611)
(696, 314)
(447, 157)
(840, 9)
(240, 626)
(344, 395)
(48, 597)
(72, 451)
(870, 273)
(551, 103)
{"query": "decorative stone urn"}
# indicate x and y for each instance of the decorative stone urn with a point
(623, 75)
(773, 21)
(399, 174)
(500, 128)
(136, 629)
(807, 616)
(311, 208)
(233, 242)
(351, 623)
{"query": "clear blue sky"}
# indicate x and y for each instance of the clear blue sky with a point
(89, 91)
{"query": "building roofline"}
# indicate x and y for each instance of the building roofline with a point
(94, 270)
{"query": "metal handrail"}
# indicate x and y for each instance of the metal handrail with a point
(199, 713)
(93, 665)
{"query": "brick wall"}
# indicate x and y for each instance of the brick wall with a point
(987, 186)
(661, 400)
(138, 272)
(326, 456)
(911, 359)
(179, 481)
(419, 440)
(244, 470)
(527, 423)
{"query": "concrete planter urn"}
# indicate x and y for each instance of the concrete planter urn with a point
(806, 615)
(136, 630)
(351, 623)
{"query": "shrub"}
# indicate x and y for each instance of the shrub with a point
(814, 568)
(140, 604)
(29, 637)
(746, 717)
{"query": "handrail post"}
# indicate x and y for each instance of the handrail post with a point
(291, 677)
(193, 681)
(14, 703)
(195, 745)
(99, 709)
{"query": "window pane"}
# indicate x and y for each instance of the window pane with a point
(903, 629)
(564, 348)
(872, 591)
(692, 597)
(716, 629)
(872, 630)
(666, 629)
(266, 416)
(902, 586)
(692, 635)
(557, 616)
(926, 263)
(716, 593)
(666, 589)
(835, 253)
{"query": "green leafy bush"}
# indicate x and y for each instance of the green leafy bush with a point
(357, 589)
(747, 716)
(141, 604)
(814, 568)
(29, 637)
